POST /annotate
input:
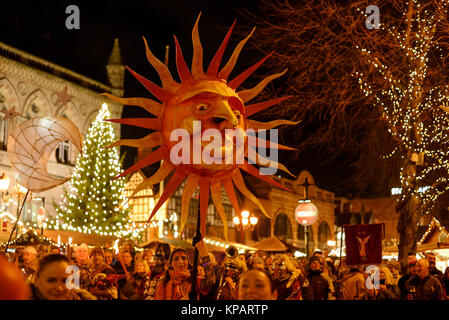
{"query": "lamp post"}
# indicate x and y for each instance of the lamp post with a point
(249, 221)
(306, 214)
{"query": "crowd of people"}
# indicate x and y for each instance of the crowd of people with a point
(166, 273)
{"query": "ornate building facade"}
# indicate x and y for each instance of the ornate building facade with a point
(33, 87)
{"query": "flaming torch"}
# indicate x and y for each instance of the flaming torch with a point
(119, 256)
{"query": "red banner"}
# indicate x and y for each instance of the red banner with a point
(364, 243)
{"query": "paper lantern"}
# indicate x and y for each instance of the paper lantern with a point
(203, 100)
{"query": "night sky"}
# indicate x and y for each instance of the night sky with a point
(39, 28)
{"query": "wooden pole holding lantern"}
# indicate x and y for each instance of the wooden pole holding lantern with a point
(17, 220)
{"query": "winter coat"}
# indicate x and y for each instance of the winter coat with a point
(353, 286)
(392, 292)
(320, 287)
(428, 288)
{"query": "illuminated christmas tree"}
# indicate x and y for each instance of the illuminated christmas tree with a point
(92, 202)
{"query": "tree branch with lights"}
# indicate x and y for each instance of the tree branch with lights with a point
(371, 90)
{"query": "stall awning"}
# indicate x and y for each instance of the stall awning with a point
(272, 244)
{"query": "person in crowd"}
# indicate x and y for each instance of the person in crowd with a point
(320, 285)
(387, 289)
(395, 268)
(136, 281)
(101, 276)
(30, 262)
(423, 286)
(446, 284)
(54, 249)
(52, 280)
(430, 256)
(229, 274)
(42, 250)
(109, 257)
(158, 267)
(256, 284)
(268, 263)
(288, 280)
(128, 245)
(99, 264)
(352, 285)
(411, 271)
(84, 265)
(148, 255)
(18, 257)
(124, 263)
(177, 283)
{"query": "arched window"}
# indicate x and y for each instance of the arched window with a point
(263, 226)
(324, 232)
(282, 227)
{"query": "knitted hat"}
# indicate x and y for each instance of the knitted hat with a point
(314, 258)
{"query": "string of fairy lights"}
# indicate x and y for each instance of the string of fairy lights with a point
(411, 110)
(434, 223)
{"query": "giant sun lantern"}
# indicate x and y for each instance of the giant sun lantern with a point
(202, 100)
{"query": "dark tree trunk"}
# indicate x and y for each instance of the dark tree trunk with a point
(408, 209)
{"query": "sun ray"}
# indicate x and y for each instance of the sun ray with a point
(254, 172)
(177, 178)
(262, 143)
(247, 95)
(237, 81)
(153, 157)
(227, 69)
(257, 107)
(162, 173)
(197, 60)
(183, 70)
(189, 189)
(216, 60)
(229, 188)
(256, 159)
(160, 93)
(253, 124)
(162, 70)
(215, 191)
(240, 184)
(150, 141)
(147, 123)
(149, 105)
(204, 201)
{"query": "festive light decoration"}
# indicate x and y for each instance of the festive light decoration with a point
(433, 223)
(92, 202)
(209, 98)
(410, 103)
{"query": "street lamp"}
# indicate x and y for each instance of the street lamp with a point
(249, 221)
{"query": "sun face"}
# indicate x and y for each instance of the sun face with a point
(201, 129)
